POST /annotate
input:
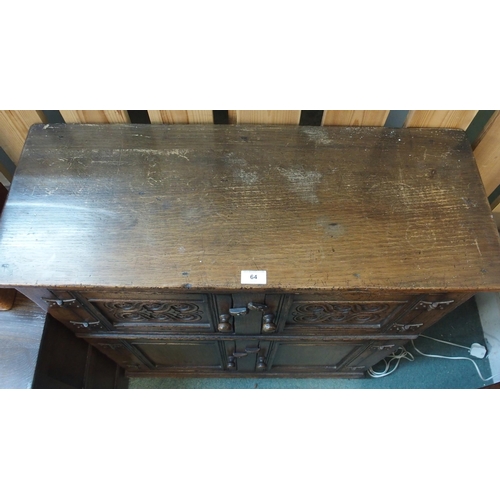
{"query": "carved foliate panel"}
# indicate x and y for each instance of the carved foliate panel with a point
(340, 313)
(170, 314)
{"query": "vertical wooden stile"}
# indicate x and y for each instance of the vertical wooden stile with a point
(95, 116)
(487, 153)
(372, 118)
(181, 117)
(264, 117)
(14, 126)
(440, 119)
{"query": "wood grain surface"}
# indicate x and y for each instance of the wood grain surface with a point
(21, 331)
(14, 127)
(487, 154)
(447, 119)
(357, 118)
(177, 116)
(95, 116)
(264, 117)
(189, 208)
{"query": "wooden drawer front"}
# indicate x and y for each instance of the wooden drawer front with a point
(310, 315)
(179, 313)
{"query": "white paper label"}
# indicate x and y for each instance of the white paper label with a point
(253, 277)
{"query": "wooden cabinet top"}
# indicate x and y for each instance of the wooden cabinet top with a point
(189, 207)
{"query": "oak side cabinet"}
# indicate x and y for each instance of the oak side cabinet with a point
(213, 250)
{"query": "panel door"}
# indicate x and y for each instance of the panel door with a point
(148, 310)
(312, 357)
(169, 356)
(318, 314)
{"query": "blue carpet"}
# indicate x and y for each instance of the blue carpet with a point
(462, 326)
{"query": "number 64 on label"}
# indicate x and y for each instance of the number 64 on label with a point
(253, 277)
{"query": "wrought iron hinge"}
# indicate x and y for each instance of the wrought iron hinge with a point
(430, 306)
(59, 302)
(382, 347)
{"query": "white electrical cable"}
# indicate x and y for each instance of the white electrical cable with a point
(450, 357)
(445, 342)
(404, 354)
(394, 356)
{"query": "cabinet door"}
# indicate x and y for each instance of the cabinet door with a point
(169, 356)
(344, 314)
(149, 310)
(312, 357)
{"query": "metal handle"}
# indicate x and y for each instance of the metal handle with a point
(238, 311)
(268, 325)
(224, 324)
(231, 365)
(85, 324)
(255, 306)
(248, 350)
(261, 364)
(252, 350)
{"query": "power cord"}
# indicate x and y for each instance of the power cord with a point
(475, 349)
(398, 355)
(452, 357)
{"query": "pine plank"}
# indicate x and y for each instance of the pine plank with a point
(14, 126)
(440, 119)
(5, 176)
(487, 153)
(179, 116)
(265, 117)
(485, 129)
(372, 118)
(21, 330)
(94, 116)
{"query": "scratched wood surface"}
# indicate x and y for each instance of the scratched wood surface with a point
(95, 116)
(440, 118)
(264, 117)
(487, 154)
(318, 208)
(14, 127)
(21, 331)
(373, 118)
(177, 116)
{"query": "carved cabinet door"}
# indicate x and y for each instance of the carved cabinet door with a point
(151, 311)
(338, 313)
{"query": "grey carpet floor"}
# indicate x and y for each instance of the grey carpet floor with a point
(462, 326)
